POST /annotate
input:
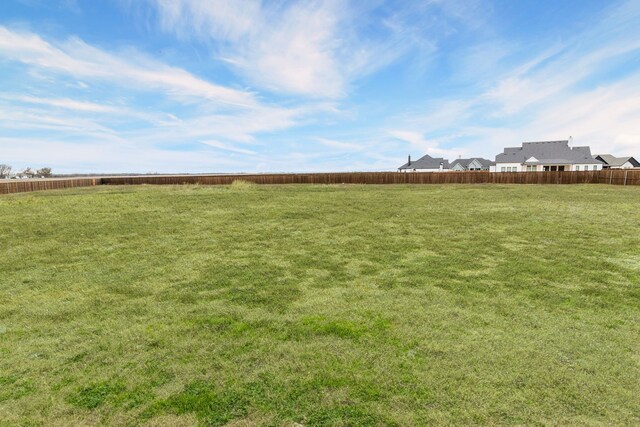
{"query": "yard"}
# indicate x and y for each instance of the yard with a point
(321, 305)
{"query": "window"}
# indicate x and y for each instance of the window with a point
(595, 167)
(578, 168)
(531, 168)
(503, 169)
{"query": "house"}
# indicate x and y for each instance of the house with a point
(425, 164)
(611, 162)
(546, 156)
(473, 164)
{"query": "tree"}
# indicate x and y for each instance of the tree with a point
(28, 172)
(5, 171)
(44, 172)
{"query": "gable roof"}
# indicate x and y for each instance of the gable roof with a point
(466, 162)
(617, 161)
(427, 162)
(547, 152)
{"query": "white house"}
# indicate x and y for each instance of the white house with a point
(546, 156)
(611, 162)
(425, 164)
(473, 164)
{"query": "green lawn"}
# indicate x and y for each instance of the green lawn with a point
(321, 305)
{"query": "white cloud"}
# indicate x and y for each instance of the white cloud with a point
(36, 119)
(314, 48)
(291, 49)
(78, 59)
(66, 103)
(240, 127)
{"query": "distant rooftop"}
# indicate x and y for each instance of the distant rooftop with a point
(427, 162)
(613, 161)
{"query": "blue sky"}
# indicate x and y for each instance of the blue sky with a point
(333, 85)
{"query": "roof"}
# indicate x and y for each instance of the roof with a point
(466, 162)
(427, 162)
(616, 161)
(547, 152)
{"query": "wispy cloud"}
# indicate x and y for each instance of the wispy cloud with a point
(66, 103)
(227, 147)
(315, 48)
(76, 58)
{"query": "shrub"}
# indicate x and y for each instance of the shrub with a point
(242, 185)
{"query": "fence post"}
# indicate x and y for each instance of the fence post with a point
(625, 177)
(610, 176)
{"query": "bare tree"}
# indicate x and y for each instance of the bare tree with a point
(28, 172)
(5, 171)
(44, 172)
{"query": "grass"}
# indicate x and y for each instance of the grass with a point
(320, 305)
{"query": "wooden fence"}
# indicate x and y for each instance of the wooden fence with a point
(613, 177)
(8, 186)
(617, 177)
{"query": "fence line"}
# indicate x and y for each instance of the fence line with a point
(21, 186)
(612, 177)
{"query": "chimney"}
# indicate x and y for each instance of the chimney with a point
(409, 162)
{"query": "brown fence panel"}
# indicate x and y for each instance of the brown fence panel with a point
(23, 186)
(620, 177)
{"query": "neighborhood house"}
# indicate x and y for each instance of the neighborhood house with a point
(611, 162)
(546, 156)
(425, 164)
(473, 164)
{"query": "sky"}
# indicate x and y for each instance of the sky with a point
(197, 86)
